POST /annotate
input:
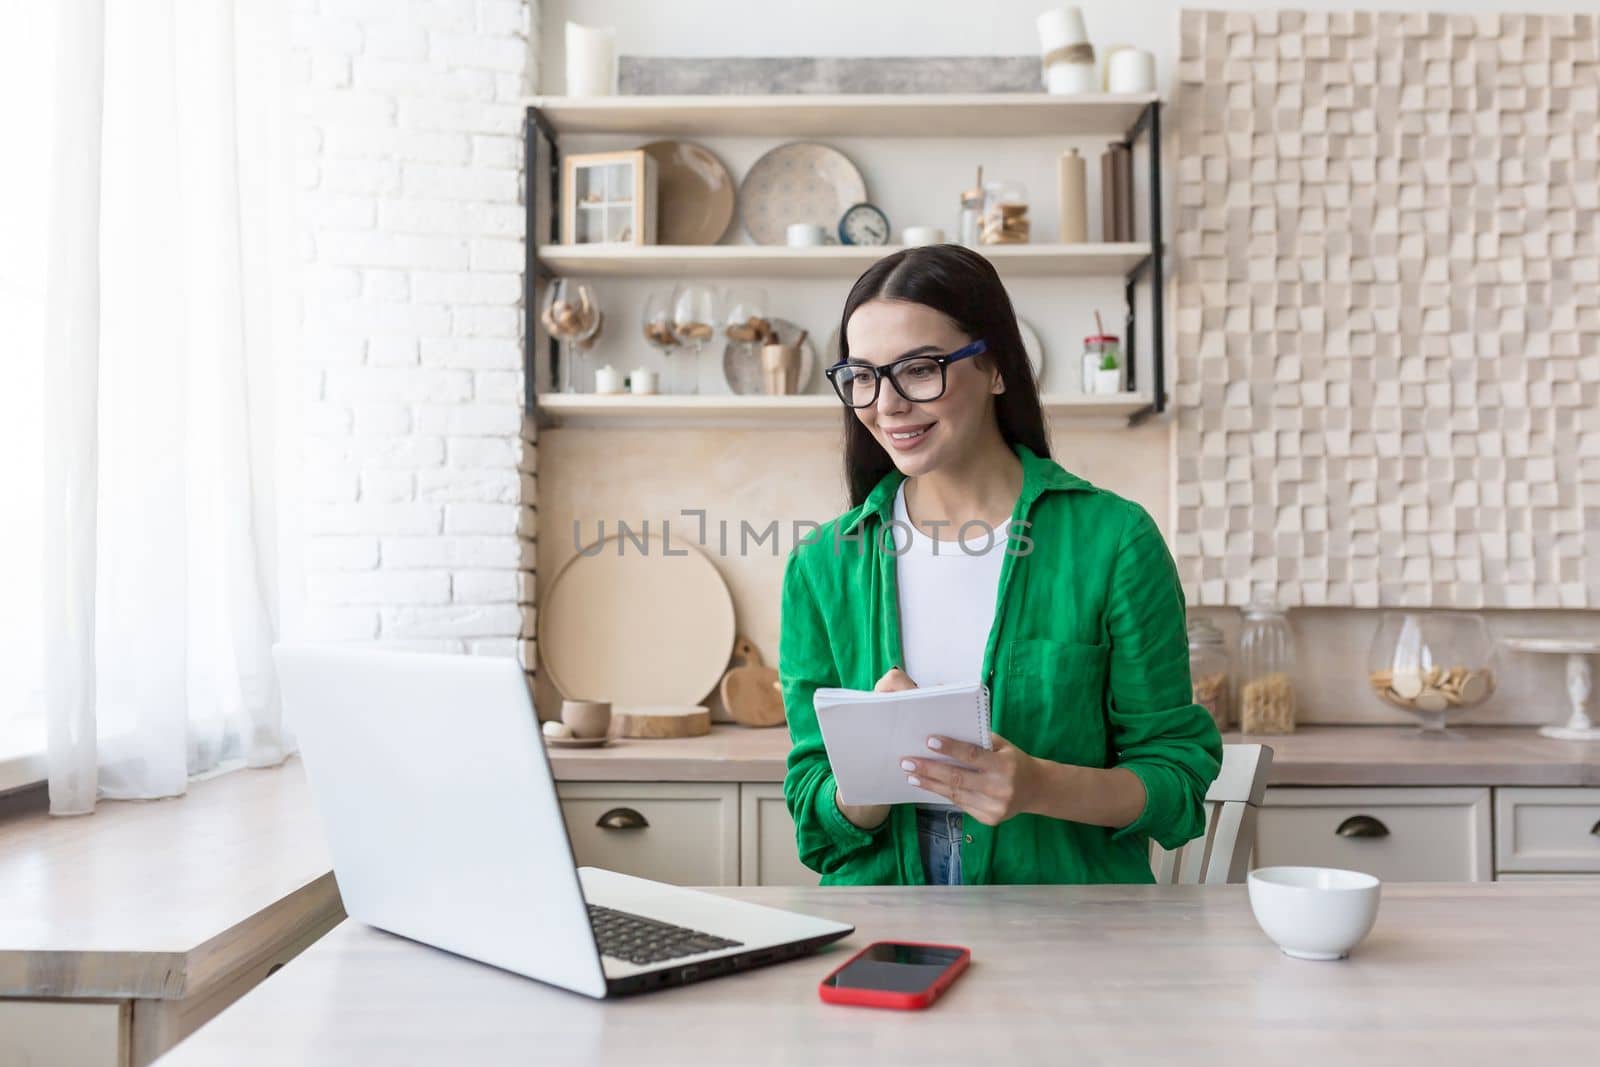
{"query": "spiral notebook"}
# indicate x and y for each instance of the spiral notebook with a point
(867, 735)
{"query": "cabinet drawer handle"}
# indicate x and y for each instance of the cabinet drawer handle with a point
(622, 819)
(1595, 829)
(1362, 826)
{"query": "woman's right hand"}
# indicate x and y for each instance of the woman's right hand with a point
(871, 816)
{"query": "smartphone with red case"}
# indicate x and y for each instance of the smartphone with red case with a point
(895, 974)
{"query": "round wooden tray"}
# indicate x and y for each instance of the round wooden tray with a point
(626, 622)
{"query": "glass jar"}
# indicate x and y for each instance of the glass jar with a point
(1096, 347)
(1432, 664)
(1266, 671)
(969, 222)
(1209, 671)
(1005, 214)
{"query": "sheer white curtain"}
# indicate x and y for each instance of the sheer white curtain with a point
(166, 390)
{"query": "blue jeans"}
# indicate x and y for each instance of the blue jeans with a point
(939, 835)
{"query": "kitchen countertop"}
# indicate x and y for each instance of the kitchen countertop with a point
(1315, 755)
(1466, 974)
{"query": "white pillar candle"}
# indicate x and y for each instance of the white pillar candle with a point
(591, 60)
(1130, 70)
(1065, 53)
(607, 380)
(1069, 79)
(1061, 27)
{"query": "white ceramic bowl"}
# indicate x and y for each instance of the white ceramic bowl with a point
(1314, 913)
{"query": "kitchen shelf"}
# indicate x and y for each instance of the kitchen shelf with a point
(788, 412)
(818, 115)
(547, 119)
(833, 261)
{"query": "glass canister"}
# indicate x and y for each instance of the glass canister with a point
(1266, 671)
(1005, 214)
(1210, 671)
(970, 222)
(1434, 664)
(1096, 347)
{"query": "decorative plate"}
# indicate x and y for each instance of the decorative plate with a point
(1030, 344)
(798, 182)
(741, 361)
(694, 193)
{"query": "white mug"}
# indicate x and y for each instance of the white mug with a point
(642, 381)
(806, 235)
(1130, 70)
(922, 235)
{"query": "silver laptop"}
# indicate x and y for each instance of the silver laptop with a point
(441, 813)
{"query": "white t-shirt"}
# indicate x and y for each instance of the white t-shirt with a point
(947, 598)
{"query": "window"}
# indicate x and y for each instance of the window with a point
(26, 50)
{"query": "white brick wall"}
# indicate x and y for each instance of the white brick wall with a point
(410, 169)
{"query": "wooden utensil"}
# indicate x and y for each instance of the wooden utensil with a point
(742, 367)
(750, 691)
(655, 721)
(780, 365)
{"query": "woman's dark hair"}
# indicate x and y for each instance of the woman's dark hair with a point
(965, 287)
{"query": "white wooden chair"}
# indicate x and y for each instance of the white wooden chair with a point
(1222, 853)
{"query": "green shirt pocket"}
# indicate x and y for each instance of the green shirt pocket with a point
(1054, 701)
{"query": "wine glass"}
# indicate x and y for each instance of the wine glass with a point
(572, 313)
(746, 321)
(658, 331)
(694, 309)
(747, 328)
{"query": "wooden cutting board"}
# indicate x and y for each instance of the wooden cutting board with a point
(660, 720)
(750, 691)
(637, 624)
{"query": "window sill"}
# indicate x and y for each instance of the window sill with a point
(22, 755)
(21, 771)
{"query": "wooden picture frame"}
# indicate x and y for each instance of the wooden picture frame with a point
(609, 198)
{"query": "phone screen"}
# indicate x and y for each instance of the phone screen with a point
(895, 968)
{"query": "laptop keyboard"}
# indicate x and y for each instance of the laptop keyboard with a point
(638, 940)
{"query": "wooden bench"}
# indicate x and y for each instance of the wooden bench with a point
(123, 931)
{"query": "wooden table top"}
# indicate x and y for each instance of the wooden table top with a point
(1315, 755)
(1490, 973)
(145, 898)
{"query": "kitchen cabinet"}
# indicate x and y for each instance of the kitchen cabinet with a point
(720, 833)
(1497, 802)
(1399, 835)
(766, 839)
(1547, 830)
(686, 833)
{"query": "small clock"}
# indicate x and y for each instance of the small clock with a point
(864, 224)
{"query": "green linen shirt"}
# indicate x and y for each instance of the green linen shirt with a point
(1087, 663)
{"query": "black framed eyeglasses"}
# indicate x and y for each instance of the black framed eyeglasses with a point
(919, 378)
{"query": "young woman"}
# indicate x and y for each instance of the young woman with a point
(1071, 612)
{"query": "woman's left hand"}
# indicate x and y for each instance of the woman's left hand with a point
(995, 784)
